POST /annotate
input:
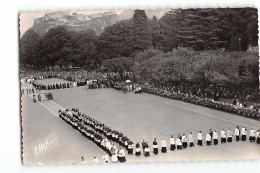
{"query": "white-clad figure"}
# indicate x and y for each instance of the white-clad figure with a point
(191, 143)
(114, 155)
(200, 138)
(252, 135)
(184, 141)
(215, 137)
(121, 155)
(223, 136)
(243, 133)
(95, 160)
(164, 145)
(237, 133)
(105, 158)
(179, 143)
(229, 135)
(172, 143)
(208, 139)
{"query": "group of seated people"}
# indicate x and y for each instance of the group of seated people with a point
(249, 112)
(111, 141)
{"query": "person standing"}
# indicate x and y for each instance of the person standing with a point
(208, 139)
(191, 140)
(121, 155)
(137, 149)
(223, 136)
(200, 138)
(252, 135)
(164, 145)
(179, 143)
(155, 147)
(237, 133)
(114, 155)
(229, 135)
(83, 160)
(211, 134)
(34, 98)
(172, 143)
(130, 147)
(39, 97)
(257, 137)
(147, 149)
(143, 145)
(215, 137)
(184, 141)
(243, 133)
(105, 158)
(95, 160)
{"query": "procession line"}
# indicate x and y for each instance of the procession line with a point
(199, 112)
(66, 123)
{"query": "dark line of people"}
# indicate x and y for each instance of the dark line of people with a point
(101, 135)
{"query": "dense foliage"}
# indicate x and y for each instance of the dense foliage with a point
(198, 45)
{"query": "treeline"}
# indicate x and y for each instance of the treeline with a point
(118, 48)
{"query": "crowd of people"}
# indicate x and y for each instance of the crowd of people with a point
(235, 107)
(112, 142)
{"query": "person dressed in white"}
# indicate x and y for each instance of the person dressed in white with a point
(179, 143)
(105, 158)
(184, 141)
(191, 140)
(229, 135)
(121, 155)
(215, 137)
(137, 149)
(208, 139)
(252, 135)
(200, 138)
(155, 147)
(147, 149)
(108, 147)
(243, 133)
(172, 142)
(223, 136)
(114, 155)
(164, 145)
(95, 160)
(237, 133)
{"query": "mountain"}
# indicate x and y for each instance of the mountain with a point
(80, 22)
(128, 14)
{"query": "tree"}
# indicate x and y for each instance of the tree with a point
(142, 38)
(199, 29)
(27, 48)
(50, 47)
(116, 40)
(120, 65)
(170, 24)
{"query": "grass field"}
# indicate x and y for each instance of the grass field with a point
(139, 117)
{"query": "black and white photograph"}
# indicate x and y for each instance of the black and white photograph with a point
(139, 85)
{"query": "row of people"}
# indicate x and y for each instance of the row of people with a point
(226, 107)
(63, 85)
(182, 142)
(98, 133)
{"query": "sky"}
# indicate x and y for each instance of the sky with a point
(27, 19)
